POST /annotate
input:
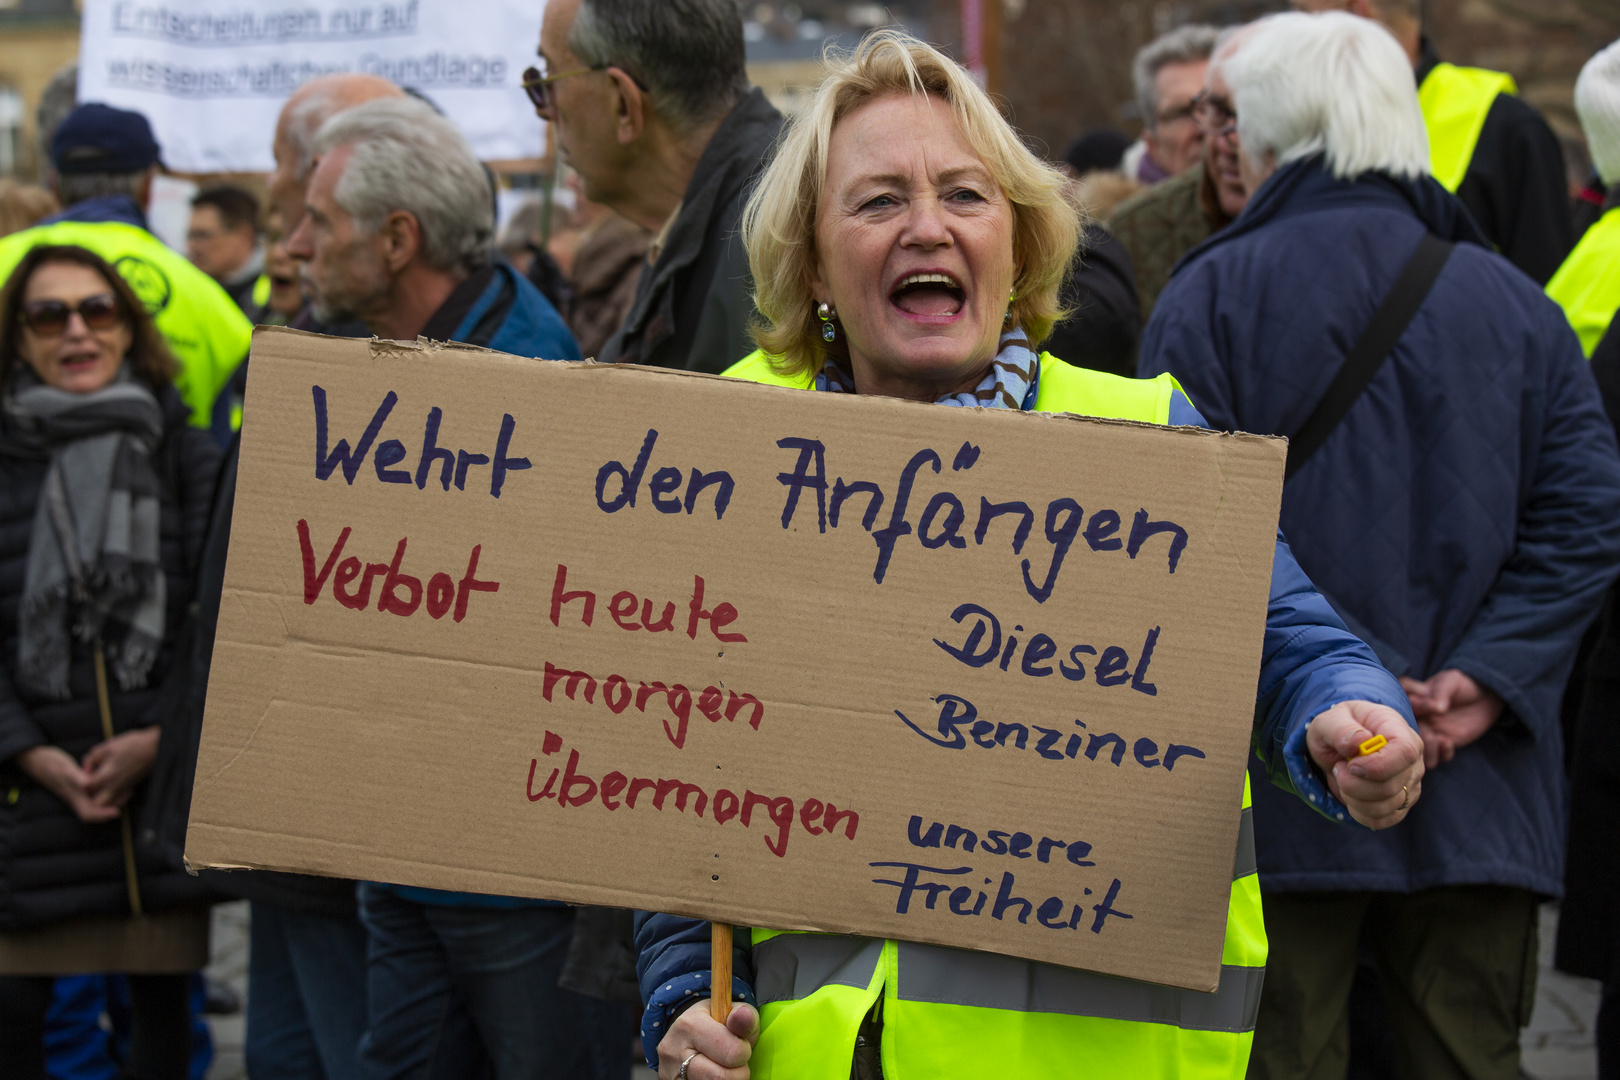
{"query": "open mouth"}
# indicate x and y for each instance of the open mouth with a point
(79, 361)
(930, 294)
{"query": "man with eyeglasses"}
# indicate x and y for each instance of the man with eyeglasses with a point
(1168, 73)
(1163, 223)
(651, 105)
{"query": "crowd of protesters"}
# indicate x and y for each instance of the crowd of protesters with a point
(1325, 231)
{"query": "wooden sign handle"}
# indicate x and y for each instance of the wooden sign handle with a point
(720, 971)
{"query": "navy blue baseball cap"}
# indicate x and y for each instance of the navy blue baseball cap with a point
(101, 139)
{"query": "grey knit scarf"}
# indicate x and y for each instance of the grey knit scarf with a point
(93, 555)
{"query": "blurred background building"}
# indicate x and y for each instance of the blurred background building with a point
(37, 39)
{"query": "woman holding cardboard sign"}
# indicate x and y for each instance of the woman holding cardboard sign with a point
(905, 243)
(104, 496)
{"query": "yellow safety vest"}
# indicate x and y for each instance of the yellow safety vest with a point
(1455, 101)
(204, 328)
(959, 1013)
(261, 290)
(1587, 286)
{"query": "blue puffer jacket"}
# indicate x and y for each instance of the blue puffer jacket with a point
(1309, 663)
(1465, 514)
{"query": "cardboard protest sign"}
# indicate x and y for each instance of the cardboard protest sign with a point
(212, 77)
(648, 639)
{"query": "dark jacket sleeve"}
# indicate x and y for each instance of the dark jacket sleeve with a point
(18, 732)
(1567, 549)
(726, 309)
(1517, 189)
(1605, 366)
(1603, 664)
(1310, 663)
(194, 466)
(199, 457)
(672, 964)
(1105, 319)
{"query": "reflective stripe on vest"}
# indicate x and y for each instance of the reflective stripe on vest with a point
(203, 326)
(789, 967)
(955, 1012)
(960, 1012)
(1587, 286)
(1455, 101)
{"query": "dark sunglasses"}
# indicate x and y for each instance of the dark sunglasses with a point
(49, 318)
(538, 86)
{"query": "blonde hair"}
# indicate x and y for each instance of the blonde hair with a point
(779, 222)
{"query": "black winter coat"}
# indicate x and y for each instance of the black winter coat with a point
(1589, 920)
(52, 865)
(1105, 320)
(693, 304)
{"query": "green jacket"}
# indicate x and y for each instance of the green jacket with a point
(1160, 225)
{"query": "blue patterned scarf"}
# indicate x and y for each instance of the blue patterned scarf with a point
(1011, 383)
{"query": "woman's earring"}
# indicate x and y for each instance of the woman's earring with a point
(827, 313)
(1012, 295)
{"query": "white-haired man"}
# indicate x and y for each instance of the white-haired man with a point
(1454, 491)
(1486, 144)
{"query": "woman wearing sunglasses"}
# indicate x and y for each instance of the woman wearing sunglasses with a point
(104, 498)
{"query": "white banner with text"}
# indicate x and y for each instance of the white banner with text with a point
(212, 77)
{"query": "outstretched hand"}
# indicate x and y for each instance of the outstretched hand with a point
(1452, 711)
(1380, 788)
(722, 1050)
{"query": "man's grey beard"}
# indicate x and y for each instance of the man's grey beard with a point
(323, 310)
